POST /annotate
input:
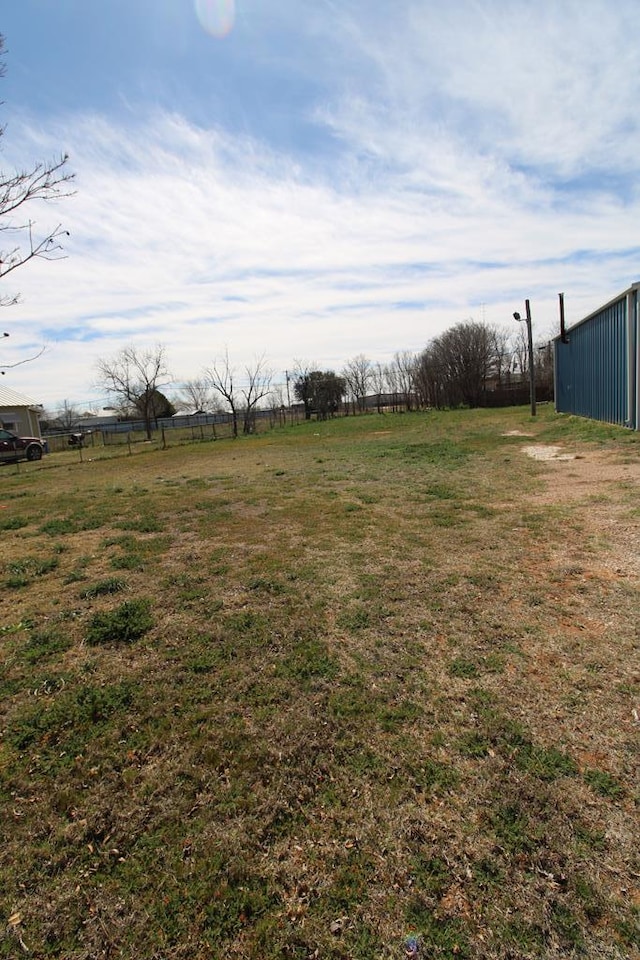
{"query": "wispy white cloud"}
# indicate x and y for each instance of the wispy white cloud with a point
(539, 84)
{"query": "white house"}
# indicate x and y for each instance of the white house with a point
(18, 413)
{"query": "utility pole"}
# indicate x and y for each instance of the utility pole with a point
(290, 411)
(532, 376)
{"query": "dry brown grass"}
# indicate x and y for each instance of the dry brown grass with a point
(389, 691)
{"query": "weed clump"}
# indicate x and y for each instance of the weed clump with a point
(46, 644)
(604, 784)
(23, 572)
(127, 623)
(110, 585)
(13, 523)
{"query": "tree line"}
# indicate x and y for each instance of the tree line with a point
(470, 364)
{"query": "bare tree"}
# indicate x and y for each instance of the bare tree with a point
(544, 368)
(357, 375)
(379, 381)
(21, 242)
(195, 395)
(403, 376)
(278, 404)
(424, 380)
(430, 379)
(133, 378)
(68, 415)
(221, 378)
(391, 377)
(520, 351)
(501, 352)
(259, 379)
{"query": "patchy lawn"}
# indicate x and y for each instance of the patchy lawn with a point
(314, 693)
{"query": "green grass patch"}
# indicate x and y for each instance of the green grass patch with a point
(68, 719)
(439, 936)
(547, 763)
(463, 668)
(46, 644)
(128, 561)
(473, 744)
(354, 619)
(13, 523)
(20, 573)
(393, 716)
(59, 527)
(604, 784)
(308, 659)
(126, 624)
(444, 453)
(103, 588)
(513, 828)
(143, 524)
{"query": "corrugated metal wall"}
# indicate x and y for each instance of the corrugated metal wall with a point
(596, 371)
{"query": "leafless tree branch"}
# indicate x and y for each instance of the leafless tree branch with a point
(45, 181)
(18, 363)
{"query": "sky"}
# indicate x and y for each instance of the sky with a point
(305, 181)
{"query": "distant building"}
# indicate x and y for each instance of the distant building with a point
(96, 421)
(19, 414)
(597, 363)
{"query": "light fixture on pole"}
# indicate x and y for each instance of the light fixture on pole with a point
(532, 380)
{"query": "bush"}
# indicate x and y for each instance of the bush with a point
(128, 622)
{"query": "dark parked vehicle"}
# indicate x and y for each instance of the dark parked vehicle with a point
(78, 439)
(19, 448)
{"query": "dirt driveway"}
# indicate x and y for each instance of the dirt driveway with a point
(609, 489)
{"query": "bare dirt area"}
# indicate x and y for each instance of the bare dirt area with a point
(608, 487)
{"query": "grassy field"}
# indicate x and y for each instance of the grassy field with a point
(313, 693)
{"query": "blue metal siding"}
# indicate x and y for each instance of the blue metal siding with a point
(634, 348)
(592, 368)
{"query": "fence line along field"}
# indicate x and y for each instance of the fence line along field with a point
(363, 688)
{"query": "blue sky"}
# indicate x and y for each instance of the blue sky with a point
(309, 180)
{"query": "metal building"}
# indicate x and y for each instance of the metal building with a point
(597, 363)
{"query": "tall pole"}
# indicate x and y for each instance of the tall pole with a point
(290, 411)
(532, 380)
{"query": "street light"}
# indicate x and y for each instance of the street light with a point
(532, 380)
